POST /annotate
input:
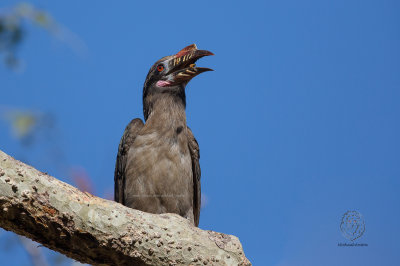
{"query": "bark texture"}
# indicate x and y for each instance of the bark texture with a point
(102, 232)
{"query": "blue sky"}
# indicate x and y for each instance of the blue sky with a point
(298, 123)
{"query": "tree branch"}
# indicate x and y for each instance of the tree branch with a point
(102, 232)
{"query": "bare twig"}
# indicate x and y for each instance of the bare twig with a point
(34, 252)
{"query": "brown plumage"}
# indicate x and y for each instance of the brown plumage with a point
(157, 168)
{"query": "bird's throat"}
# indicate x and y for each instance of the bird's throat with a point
(166, 112)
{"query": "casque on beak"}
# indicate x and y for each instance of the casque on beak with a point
(182, 66)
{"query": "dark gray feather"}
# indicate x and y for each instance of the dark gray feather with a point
(130, 133)
(195, 154)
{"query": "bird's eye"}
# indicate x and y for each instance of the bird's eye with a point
(160, 68)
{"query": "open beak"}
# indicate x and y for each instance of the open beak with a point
(182, 66)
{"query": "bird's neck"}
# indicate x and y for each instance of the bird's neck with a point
(167, 112)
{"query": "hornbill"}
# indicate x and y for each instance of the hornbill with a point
(157, 168)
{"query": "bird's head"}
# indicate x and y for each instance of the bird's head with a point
(172, 73)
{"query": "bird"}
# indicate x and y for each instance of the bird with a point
(157, 168)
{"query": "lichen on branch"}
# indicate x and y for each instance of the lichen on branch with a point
(102, 232)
